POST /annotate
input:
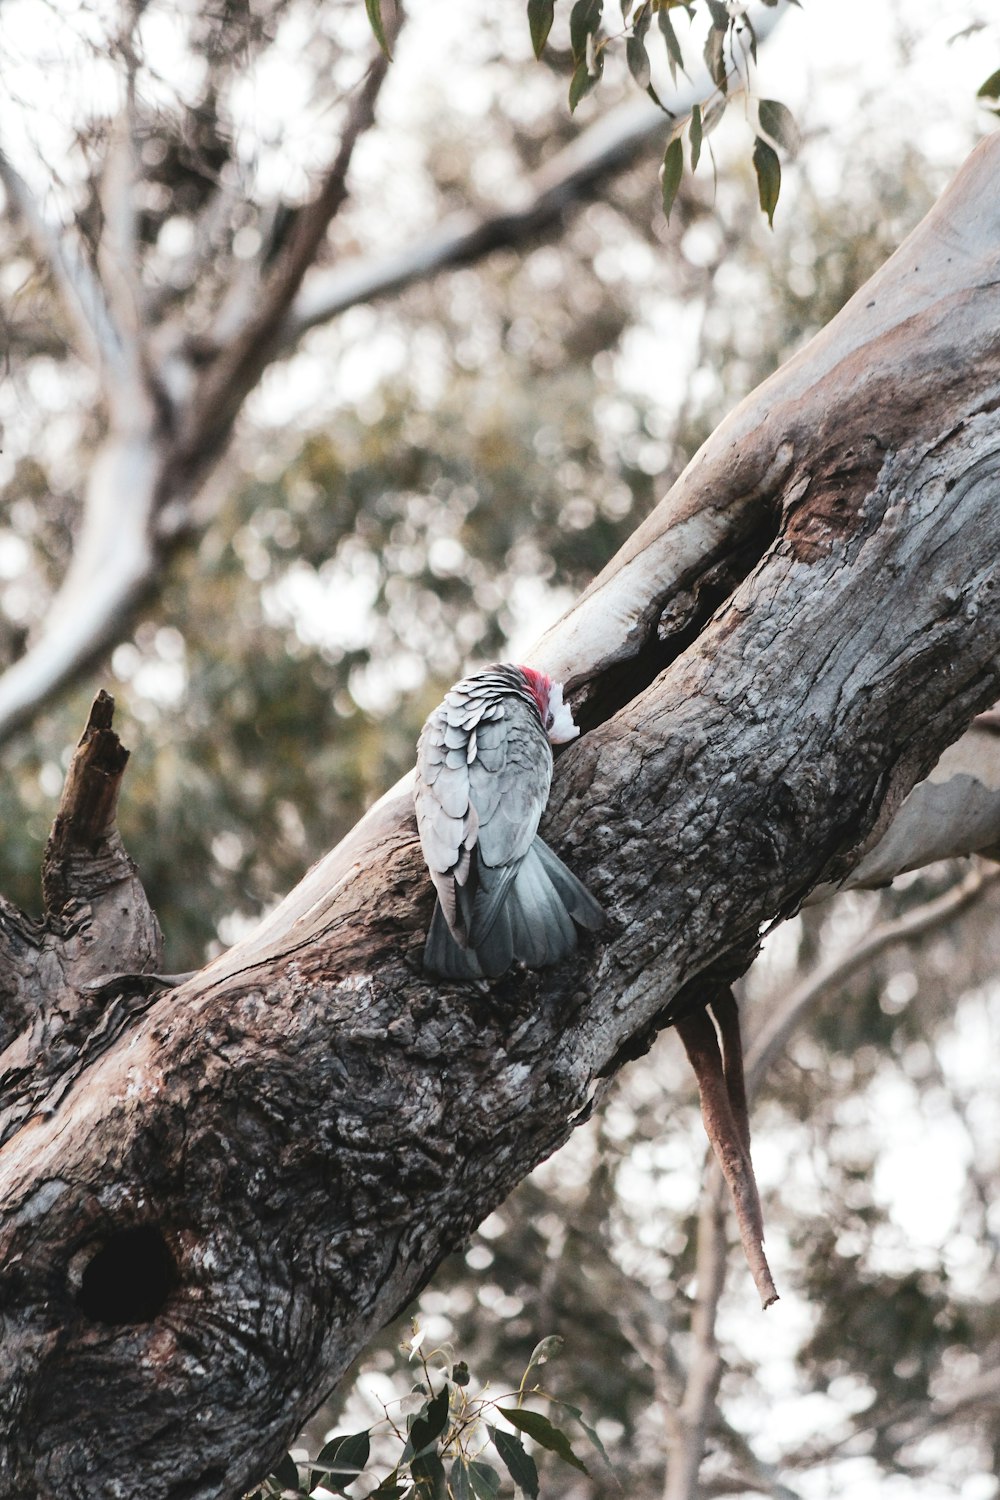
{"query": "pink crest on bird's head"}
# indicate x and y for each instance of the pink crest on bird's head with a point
(555, 714)
(539, 686)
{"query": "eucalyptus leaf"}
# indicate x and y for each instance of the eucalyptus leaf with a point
(695, 136)
(342, 1460)
(542, 1431)
(715, 60)
(671, 173)
(991, 88)
(778, 122)
(583, 81)
(428, 1425)
(543, 1351)
(674, 54)
(429, 1478)
(520, 1465)
(374, 9)
(590, 1430)
(637, 59)
(286, 1473)
(458, 1479)
(540, 14)
(484, 1479)
(659, 102)
(768, 169)
(584, 19)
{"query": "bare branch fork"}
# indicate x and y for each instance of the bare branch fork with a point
(276, 1155)
(172, 411)
(165, 433)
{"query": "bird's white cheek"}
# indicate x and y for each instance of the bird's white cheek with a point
(562, 727)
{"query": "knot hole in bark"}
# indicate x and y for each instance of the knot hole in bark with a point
(129, 1278)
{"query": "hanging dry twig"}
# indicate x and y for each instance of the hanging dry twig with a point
(695, 1414)
(727, 1124)
(716, 1055)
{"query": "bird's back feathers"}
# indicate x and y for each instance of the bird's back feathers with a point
(484, 766)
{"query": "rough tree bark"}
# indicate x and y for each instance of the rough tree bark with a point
(209, 1209)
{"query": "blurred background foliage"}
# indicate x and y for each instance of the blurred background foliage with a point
(426, 485)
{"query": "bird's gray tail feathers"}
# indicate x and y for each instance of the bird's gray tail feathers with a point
(535, 923)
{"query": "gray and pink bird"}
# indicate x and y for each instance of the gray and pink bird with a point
(484, 767)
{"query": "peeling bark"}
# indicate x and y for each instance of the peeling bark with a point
(238, 1181)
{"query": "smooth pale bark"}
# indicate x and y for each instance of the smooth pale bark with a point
(244, 1178)
(954, 811)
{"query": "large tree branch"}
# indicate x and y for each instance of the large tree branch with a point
(264, 1166)
(955, 811)
(114, 560)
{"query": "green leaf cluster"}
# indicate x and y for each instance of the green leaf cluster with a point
(729, 47)
(454, 1446)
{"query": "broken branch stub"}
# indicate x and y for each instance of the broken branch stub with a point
(97, 922)
(83, 836)
(90, 884)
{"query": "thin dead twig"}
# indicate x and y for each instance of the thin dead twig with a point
(724, 1111)
(772, 1038)
(239, 364)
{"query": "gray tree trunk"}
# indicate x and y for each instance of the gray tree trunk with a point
(211, 1197)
